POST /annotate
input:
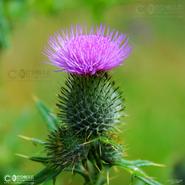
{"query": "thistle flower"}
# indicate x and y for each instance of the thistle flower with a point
(85, 53)
(81, 138)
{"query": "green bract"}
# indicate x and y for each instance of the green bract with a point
(90, 105)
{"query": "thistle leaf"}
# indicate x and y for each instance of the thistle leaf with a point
(23, 156)
(148, 180)
(133, 168)
(36, 159)
(44, 175)
(42, 160)
(34, 140)
(141, 163)
(49, 118)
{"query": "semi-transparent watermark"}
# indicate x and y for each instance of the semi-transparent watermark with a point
(18, 179)
(29, 74)
(156, 8)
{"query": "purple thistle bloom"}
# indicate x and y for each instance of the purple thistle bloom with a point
(86, 53)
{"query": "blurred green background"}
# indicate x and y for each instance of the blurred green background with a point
(152, 78)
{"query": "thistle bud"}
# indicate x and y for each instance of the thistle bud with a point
(90, 105)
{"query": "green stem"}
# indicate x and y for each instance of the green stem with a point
(95, 176)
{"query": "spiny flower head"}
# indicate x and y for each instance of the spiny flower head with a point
(86, 53)
(90, 105)
(64, 149)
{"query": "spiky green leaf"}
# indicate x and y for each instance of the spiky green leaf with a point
(39, 159)
(133, 168)
(43, 176)
(147, 180)
(33, 140)
(48, 116)
(141, 163)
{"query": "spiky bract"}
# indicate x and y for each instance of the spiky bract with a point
(111, 152)
(90, 105)
(63, 149)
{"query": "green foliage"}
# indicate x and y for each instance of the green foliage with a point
(48, 7)
(13, 11)
(98, 7)
(48, 116)
(33, 140)
(134, 168)
(4, 28)
(43, 176)
(10, 12)
(179, 171)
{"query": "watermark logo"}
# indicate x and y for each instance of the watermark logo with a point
(29, 74)
(161, 9)
(18, 179)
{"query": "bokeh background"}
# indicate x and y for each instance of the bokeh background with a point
(152, 79)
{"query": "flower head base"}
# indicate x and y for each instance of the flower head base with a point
(88, 53)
